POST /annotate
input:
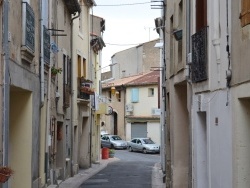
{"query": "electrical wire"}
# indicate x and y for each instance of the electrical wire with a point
(122, 44)
(128, 4)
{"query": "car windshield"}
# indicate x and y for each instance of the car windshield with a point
(115, 138)
(148, 141)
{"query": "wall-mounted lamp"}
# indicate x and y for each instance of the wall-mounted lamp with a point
(113, 90)
(177, 34)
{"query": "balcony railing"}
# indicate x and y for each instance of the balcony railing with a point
(199, 56)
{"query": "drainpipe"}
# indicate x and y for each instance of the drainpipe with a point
(190, 108)
(72, 95)
(6, 86)
(41, 56)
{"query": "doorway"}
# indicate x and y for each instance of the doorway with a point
(20, 137)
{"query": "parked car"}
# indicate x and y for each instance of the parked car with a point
(113, 141)
(146, 145)
(104, 133)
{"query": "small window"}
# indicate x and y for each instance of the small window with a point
(135, 95)
(151, 92)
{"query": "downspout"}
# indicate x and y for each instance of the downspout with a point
(91, 115)
(6, 86)
(47, 166)
(41, 56)
(190, 108)
(72, 95)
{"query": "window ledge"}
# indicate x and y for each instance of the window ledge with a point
(26, 54)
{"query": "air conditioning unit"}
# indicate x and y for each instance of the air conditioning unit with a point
(156, 111)
(129, 108)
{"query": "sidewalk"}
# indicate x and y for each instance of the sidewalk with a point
(83, 175)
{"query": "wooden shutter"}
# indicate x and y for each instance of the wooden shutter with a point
(245, 12)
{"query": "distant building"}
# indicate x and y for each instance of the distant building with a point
(135, 103)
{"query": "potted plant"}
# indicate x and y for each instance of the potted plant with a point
(5, 173)
(55, 71)
(111, 153)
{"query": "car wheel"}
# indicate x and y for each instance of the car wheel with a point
(112, 146)
(144, 150)
(130, 149)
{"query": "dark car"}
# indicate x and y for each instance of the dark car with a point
(113, 141)
(146, 145)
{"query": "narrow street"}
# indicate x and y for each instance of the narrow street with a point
(134, 169)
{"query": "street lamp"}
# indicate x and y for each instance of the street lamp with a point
(177, 34)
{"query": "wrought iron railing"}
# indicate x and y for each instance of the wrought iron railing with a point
(199, 65)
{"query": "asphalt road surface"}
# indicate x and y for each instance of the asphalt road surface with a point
(133, 170)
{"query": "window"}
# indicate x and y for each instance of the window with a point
(180, 26)
(134, 141)
(135, 95)
(66, 80)
(81, 66)
(201, 14)
(28, 21)
(245, 13)
(171, 46)
(79, 72)
(150, 92)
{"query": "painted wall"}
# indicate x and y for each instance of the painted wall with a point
(146, 102)
(215, 140)
(240, 47)
(241, 109)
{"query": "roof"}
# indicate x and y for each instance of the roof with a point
(139, 79)
(150, 78)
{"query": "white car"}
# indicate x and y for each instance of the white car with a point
(146, 145)
(113, 142)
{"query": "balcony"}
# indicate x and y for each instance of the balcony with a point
(85, 89)
(199, 65)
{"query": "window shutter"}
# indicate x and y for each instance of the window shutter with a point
(135, 95)
(245, 12)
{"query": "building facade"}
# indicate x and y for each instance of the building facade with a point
(201, 94)
(44, 58)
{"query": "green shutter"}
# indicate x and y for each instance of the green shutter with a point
(135, 95)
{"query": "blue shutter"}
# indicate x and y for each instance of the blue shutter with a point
(135, 95)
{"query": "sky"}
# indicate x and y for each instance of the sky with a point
(127, 24)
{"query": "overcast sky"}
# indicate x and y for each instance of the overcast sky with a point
(125, 24)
